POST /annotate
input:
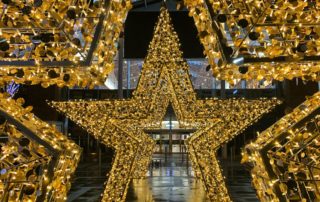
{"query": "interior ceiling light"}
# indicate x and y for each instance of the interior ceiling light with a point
(164, 79)
(277, 39)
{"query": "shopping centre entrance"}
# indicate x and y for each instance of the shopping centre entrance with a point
(170, 176)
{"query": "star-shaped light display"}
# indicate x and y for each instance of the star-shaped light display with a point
(74, 42)
(259, 39)
(164, 80)
(59, 42)
(36, 161)
(285, 159)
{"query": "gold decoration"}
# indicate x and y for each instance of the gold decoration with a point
(59, 42)
(259, 39)
(285, 159)
(36, 161)
(49, 42)
(164, 80)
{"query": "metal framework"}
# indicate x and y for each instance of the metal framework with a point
(36, 161)
(284, 160)
(164, 80)
(59, 42)
(259, 39)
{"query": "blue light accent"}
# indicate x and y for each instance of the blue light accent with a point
(12, 88)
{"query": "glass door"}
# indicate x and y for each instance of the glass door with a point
(170, 143)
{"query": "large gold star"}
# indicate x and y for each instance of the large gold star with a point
(164, 80)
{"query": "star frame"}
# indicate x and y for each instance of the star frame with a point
(284, 160)
(164, 80)
(37, 161)
(256, 40)
(66, 43)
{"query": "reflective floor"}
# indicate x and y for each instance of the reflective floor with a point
(170, 178)
(238, 181)
(88, 183)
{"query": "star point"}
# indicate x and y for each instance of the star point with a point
(36, 160)
(284, 159)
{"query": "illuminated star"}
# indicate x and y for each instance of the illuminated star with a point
(285, 158)
(252, 51)
(164, 80)
(37, 161)
(71, 43)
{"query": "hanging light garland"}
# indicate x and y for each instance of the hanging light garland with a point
(285, 159)
(164, 80)
(59, 42)
(259, 39)
(36, 161)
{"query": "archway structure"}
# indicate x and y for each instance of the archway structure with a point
(164, 80)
